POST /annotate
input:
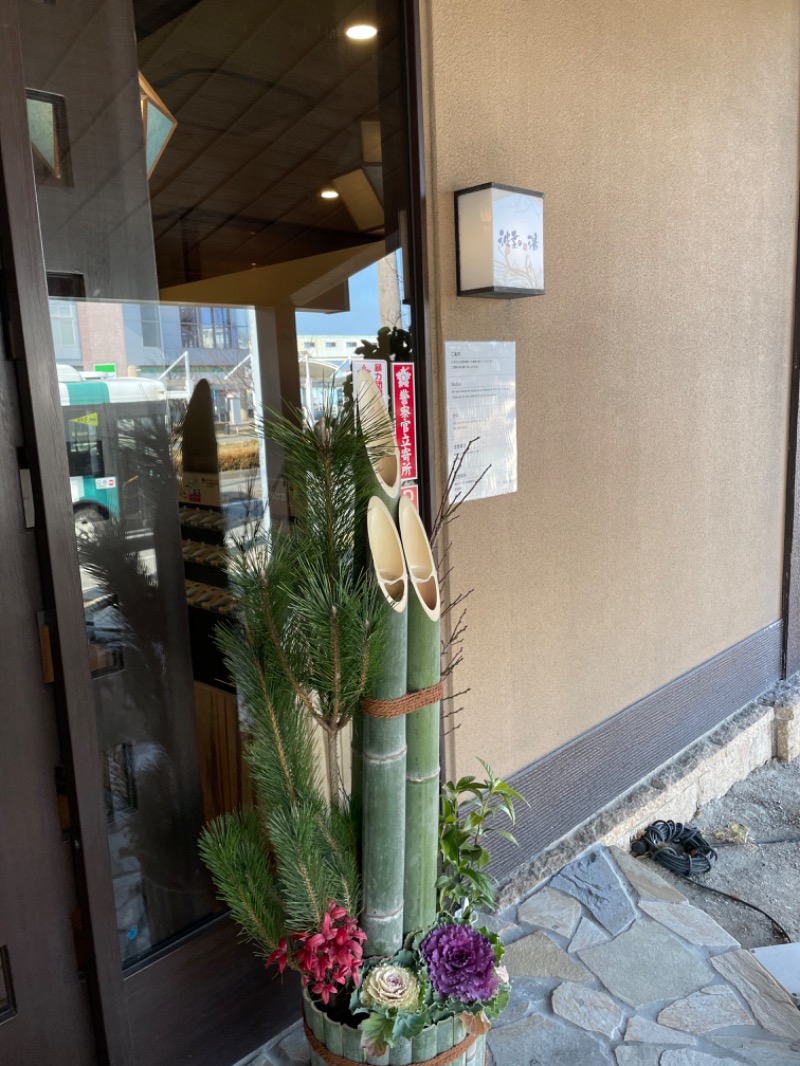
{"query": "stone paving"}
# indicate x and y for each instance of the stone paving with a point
(612, 967)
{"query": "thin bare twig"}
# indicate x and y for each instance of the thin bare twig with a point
(457, 601)
(452, 714)
(447, 507)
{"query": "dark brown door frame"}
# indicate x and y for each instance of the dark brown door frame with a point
(417, 225)
(44, 1006)
(32, 347)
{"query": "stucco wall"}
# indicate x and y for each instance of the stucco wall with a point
(647, 532)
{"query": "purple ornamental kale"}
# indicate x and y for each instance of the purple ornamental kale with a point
(461, 963)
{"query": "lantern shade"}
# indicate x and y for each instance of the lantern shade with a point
(499, 241)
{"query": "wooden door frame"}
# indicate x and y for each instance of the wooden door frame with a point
(31, 343)
(45, 1013)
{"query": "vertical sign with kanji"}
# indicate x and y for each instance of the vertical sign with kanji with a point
(377, 368)
(412, 492)
(405, 418)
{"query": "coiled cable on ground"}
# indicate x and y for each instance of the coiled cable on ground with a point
(683, 850)
(678, 847)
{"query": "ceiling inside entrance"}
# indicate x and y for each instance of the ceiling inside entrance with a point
(273, 104)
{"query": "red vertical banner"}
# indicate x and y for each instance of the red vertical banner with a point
(405, 420)
(412, 492)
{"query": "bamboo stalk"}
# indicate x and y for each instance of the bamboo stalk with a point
(383, 451)
(422, 727)
(384, 756)
(385, 460)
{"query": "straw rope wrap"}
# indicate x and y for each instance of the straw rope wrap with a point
(412, 701)
(441, 1059)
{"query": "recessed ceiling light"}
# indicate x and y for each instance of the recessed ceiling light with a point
(361, 31)
(329, 194)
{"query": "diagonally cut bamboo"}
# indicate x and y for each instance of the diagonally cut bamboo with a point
(422, 727)
(385, 460)
(384, 756)
(383, 451)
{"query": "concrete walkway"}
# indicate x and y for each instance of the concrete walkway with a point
(612, 967)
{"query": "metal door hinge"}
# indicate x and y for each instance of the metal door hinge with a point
(26, 490)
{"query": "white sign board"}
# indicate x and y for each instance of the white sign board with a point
(482, 403)
(376, 367)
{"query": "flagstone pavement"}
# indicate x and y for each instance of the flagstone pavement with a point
(611, 966)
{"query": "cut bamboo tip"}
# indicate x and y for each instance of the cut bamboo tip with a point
(419, 557)
(387, 554)
(383, 451)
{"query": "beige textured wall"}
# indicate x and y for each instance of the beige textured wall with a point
(653, 377)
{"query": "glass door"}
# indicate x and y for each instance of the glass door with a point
(221, 187)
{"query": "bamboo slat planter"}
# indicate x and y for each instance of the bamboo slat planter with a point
(432, 1044)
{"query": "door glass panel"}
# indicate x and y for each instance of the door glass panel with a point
(221, 186)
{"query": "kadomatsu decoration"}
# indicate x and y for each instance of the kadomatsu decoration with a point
(371, 896)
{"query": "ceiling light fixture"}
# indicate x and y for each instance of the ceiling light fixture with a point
(361, 31)
(329, 194)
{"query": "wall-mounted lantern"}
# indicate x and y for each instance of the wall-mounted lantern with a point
(499, 241)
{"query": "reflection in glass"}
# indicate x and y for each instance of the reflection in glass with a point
(135, 615)
(158, 124)
(47, 128)
(195, 267)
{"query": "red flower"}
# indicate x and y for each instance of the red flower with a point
(331, 956)
(279, 955)
(324, 990)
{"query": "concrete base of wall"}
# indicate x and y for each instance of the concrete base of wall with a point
(768, 728)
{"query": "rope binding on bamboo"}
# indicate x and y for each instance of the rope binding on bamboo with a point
(412, 701)
(441, 1059)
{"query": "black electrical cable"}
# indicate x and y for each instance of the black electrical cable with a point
(752, 840)
(683, 850)
(678, 847)
(746, 903)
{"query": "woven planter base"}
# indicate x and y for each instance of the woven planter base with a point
(443, 1044)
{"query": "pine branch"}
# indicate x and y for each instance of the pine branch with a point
(233, 849)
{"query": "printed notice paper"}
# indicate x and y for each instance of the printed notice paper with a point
(482, 403)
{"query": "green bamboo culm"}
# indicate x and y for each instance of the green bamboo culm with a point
(384, 460)
(384, 756)
(422, 726)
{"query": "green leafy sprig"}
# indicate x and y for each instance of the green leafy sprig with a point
(469, 811)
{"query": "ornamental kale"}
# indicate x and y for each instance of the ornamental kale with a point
(461, 963)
